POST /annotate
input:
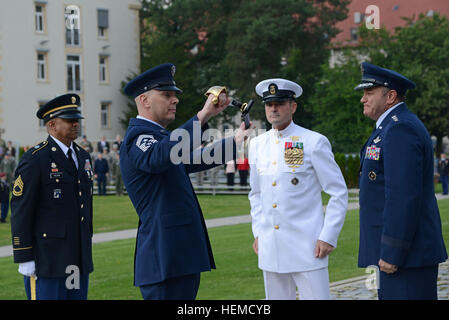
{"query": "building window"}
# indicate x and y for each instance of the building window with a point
(72, 26)
(103, 69)
(39, 17)
(103, 23)
(74, 73)
(354, 35)
(105, 115)
(42, 66)
(41, 121)
(358, 17)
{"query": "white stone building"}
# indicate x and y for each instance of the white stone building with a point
(51, 47)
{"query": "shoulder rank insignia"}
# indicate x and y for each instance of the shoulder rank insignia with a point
(395, 118)
(39, 146)
(17, 190)
(145, 141)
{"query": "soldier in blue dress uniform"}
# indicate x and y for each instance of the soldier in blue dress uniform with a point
(51, 208)
(400, 225)
(172, 245)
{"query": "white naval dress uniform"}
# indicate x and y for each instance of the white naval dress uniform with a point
(287, 210)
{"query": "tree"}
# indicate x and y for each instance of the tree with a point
(338, 111)
(238, 43)
(419, 51)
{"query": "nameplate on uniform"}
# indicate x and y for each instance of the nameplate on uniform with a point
(54, 175)
(145, 141)
(372, 153)
(294, 153)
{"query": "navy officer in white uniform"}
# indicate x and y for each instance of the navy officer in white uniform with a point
(290, 166)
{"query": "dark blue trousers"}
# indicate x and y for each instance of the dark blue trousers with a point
(101, 182)
(409, 284)
(444, 183)
(179, 288)
(4, 209)
(55, 288)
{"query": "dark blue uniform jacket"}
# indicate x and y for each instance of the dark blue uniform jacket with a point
(399, 217)
(51, 210)
(172, 238)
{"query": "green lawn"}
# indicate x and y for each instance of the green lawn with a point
(112, 213)
(236, 277)
(236, 262)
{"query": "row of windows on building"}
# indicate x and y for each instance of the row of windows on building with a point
(73, 62)
(105, 114)
(71, 16)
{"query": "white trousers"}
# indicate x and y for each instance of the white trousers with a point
(312, 285)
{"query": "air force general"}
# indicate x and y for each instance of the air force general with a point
(400, 225)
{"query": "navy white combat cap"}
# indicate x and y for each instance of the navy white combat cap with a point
(374, 76)
(160, 77)
(278, 90)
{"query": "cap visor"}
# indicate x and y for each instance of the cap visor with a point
(366, 85)
(70, 116)
(169, 88)
(276, 99)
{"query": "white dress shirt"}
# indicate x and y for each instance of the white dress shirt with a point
(64, 149)
(385, 114)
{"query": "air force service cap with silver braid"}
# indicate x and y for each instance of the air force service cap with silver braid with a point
(374, 76)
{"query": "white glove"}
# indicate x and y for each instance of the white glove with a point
(27, 268)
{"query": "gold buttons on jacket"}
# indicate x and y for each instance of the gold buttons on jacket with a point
(274, 163)
(82, 205)
(44, 235)
(274, 184)
(80, 193)
(276, 227)
(82, 218)
(275, 205)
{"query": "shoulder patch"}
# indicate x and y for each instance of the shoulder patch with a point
(145, 141)
(39, 146)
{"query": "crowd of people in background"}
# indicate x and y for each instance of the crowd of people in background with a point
(106, 160)
(106, 166)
